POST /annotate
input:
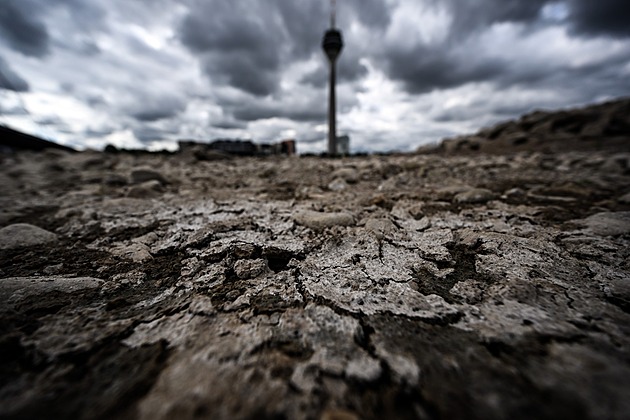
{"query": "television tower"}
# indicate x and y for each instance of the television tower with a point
(332, 45)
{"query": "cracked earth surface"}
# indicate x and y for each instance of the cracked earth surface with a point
(156, 286)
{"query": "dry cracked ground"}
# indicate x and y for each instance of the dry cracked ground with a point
(161, 286)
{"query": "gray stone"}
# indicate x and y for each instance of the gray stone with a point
(136, 252)
(22, 234)
(381, 228)
(247, 269)
(140, 175)
(625, 199)
(219, 304)
(15, 289)
(474, 196)
(318, 220)
(608, 224)
(446, 193)
(115, 180)
(337, 184)
(350, 175)
(148, 189)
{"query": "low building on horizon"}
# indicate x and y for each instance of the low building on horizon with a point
(241, 147)
(343, 145)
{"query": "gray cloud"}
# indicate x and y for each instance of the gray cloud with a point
(602, 17)
(235, 44)
(12, 110)
(445, 64)
(21, 29)
(98, 131)
(168, 69)
(470, 16)
(229, 125)
(427, 69)
(247, 44)
(148, 134)
(150, 108)
(253, 112)
(10, 80)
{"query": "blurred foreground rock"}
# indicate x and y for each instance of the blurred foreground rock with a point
(428, 287)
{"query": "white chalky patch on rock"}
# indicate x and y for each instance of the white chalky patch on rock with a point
(364, 278)
(319, 220)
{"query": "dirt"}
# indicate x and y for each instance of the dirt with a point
(216, 303)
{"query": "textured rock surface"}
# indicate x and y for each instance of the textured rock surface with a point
(21, 235)
(248, 288)
(587, 128)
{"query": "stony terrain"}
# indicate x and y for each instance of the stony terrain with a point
(411, 286)
(605, 125)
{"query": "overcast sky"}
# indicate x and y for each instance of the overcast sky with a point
(145, 73)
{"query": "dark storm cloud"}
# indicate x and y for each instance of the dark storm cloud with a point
(602, 17)
(10, 80)
(469, 16)
(98, 132)
(154, 108)
(428, 69)
(253, 112)
(248, 44)
(444, 65)
(148, 134)
(349, 69)
(21, 28)
(239, 43)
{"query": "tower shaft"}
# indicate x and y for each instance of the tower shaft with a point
(332, 111)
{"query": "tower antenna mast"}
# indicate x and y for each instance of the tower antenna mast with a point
(333, 13)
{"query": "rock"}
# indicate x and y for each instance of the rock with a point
(381, 228)
(204, 154)
(515, 193)
(318, 220)
(338, 414)
(247, 269)
(417, 211)
(140, 175)
(115, 180)
(381, 200)
(474, 196)
(22, 235)
(364, 368)
(218, 303)
(619, 289)
(15, 289)
(137, 252)
(624, 199)
(338, 184)
(608, 224)
(447, 193)
(350, 175)
(148, 189)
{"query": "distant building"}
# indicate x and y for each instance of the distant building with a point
(242, 147)
(234, 147)
(287, 147)
(343, 145)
